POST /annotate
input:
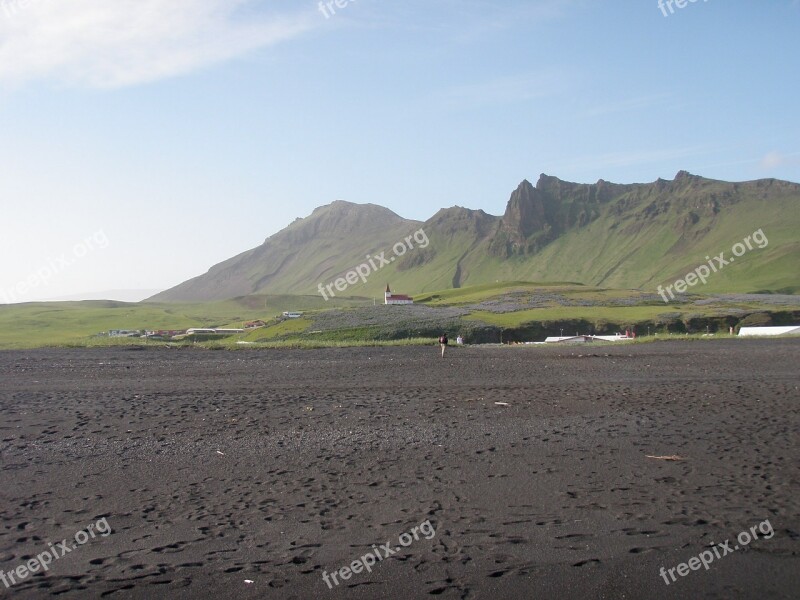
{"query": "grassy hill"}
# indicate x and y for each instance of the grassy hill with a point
(634, 236)
(311, 251)
(657, 243)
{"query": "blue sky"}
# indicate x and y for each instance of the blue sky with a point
(146, 124)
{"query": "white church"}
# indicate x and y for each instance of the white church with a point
(390, 298)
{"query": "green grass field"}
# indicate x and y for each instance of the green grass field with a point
(79, 323)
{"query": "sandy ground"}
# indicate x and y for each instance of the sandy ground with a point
(213, 468)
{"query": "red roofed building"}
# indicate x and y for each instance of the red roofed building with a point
(390, 298)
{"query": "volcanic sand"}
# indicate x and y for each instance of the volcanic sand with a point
(217, 467)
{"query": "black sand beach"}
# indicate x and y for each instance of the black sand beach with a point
(215, 467)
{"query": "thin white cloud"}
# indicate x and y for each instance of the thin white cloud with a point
(775, 160)
(489, 16)
(504, 90)
(463, 21)
(115, 43)
(625, 105)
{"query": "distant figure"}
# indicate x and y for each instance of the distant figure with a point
(730, 330)
(459, 340)
(443, 341)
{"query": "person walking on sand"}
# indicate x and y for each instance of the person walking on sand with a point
(443, 342)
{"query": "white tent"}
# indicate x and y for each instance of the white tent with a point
(787, 330)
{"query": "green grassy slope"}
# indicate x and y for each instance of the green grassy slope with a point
(649, 235)
(311, 251)
(514, 310)
(59, 323)
(634, 236)
(641, 251)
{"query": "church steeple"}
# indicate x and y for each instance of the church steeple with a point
(390, 298)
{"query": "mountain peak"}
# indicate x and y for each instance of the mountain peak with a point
(338, 219)
(338, 206)
(546, 181)
(686, 176)
(459, 219)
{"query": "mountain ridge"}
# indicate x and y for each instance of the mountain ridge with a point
(618, 235)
